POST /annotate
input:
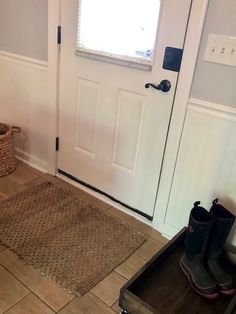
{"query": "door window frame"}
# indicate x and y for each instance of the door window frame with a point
(134, 61)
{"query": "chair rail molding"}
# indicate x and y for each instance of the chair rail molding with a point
(35, 63)
(212, 109)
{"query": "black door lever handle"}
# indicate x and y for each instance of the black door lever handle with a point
(147, 85)
(164, 86)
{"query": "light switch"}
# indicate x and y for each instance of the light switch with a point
(221, 49)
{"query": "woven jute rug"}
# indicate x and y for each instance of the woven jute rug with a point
(67, 240)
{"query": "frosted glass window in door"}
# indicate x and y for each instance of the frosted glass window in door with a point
(124, 29)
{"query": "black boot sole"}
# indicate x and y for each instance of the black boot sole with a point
(188, 274)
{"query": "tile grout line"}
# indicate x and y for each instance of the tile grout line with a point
(3, 249)
(31, 181)
(25, 183)
(140, 256)
(98, 284)
(67, 304)
(30, 291)
(16, 302)
(120, 274)
(3, 196)
(114, 304)
(143, 257)
(110, 307)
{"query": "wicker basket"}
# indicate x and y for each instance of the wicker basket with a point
(7, 153)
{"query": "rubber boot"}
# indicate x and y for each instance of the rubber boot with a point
(193, 260)
(224, 221)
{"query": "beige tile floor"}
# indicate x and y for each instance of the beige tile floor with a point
(23, 290)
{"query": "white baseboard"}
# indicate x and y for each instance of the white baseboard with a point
(31, 160)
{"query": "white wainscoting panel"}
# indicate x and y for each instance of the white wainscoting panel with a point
(24, 102)
(206, 164)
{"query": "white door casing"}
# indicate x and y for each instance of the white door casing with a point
(112, 130)
(191, 47)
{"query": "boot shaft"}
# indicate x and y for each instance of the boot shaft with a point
(198, 232)
(223, 222)
(205, 237)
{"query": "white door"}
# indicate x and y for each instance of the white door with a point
(112, 129)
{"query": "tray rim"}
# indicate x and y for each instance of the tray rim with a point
(124, 291)
(166, 249)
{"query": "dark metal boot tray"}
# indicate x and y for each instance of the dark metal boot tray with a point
(160, 287)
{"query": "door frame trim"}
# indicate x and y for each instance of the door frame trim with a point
(54, 19)
(192, 43)
(190, 54)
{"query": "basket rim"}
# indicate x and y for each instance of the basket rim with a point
(9, 131)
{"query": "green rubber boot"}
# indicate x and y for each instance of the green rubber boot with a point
(223, 223)
(193, 260)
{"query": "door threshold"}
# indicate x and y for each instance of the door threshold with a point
(137, 211)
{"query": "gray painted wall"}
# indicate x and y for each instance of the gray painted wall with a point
(24, 27)
(216, 82)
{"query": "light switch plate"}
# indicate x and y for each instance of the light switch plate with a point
(221, 49)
